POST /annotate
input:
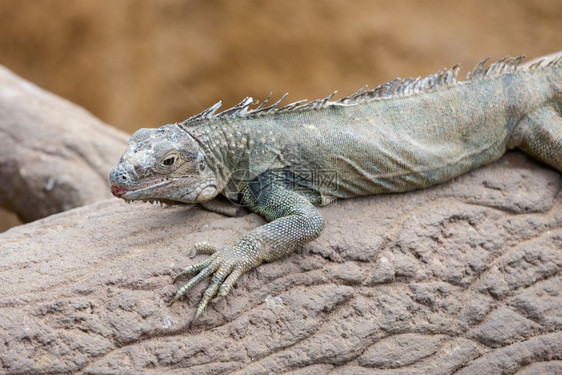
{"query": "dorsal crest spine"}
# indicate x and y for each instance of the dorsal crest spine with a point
(398, 87)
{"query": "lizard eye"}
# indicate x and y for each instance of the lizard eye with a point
(169, 161)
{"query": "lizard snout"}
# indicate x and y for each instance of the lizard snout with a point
(117, 191)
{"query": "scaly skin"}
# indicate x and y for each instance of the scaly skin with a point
(280, 162)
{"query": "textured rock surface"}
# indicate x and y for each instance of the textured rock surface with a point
(54, 155)
(464, 277)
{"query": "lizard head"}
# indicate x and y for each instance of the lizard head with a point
(163, 164)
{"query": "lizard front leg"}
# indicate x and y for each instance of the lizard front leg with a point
(293, 221)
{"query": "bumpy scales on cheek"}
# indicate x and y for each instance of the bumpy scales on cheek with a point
(165, 164)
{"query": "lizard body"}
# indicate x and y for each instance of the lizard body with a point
(281, 161)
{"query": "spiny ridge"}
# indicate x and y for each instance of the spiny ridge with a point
(398, 87)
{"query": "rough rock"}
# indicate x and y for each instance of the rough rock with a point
(54, 155)
(464, 277)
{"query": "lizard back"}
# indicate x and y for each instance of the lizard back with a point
(384, 143)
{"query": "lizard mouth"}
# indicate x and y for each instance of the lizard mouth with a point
(136, 193)
(117, 191)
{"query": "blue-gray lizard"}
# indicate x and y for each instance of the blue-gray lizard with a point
(281, 161)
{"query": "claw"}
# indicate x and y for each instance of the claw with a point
(225, 274)
(194, 281)
(180, 275)
(198, 313)
(173, 300)
(195, 267)
(211, 291)
(206, 248)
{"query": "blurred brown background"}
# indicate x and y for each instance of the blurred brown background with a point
(145, 63)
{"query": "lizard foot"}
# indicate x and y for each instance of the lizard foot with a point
(226, 264)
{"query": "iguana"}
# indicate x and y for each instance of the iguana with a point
(281, 161)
